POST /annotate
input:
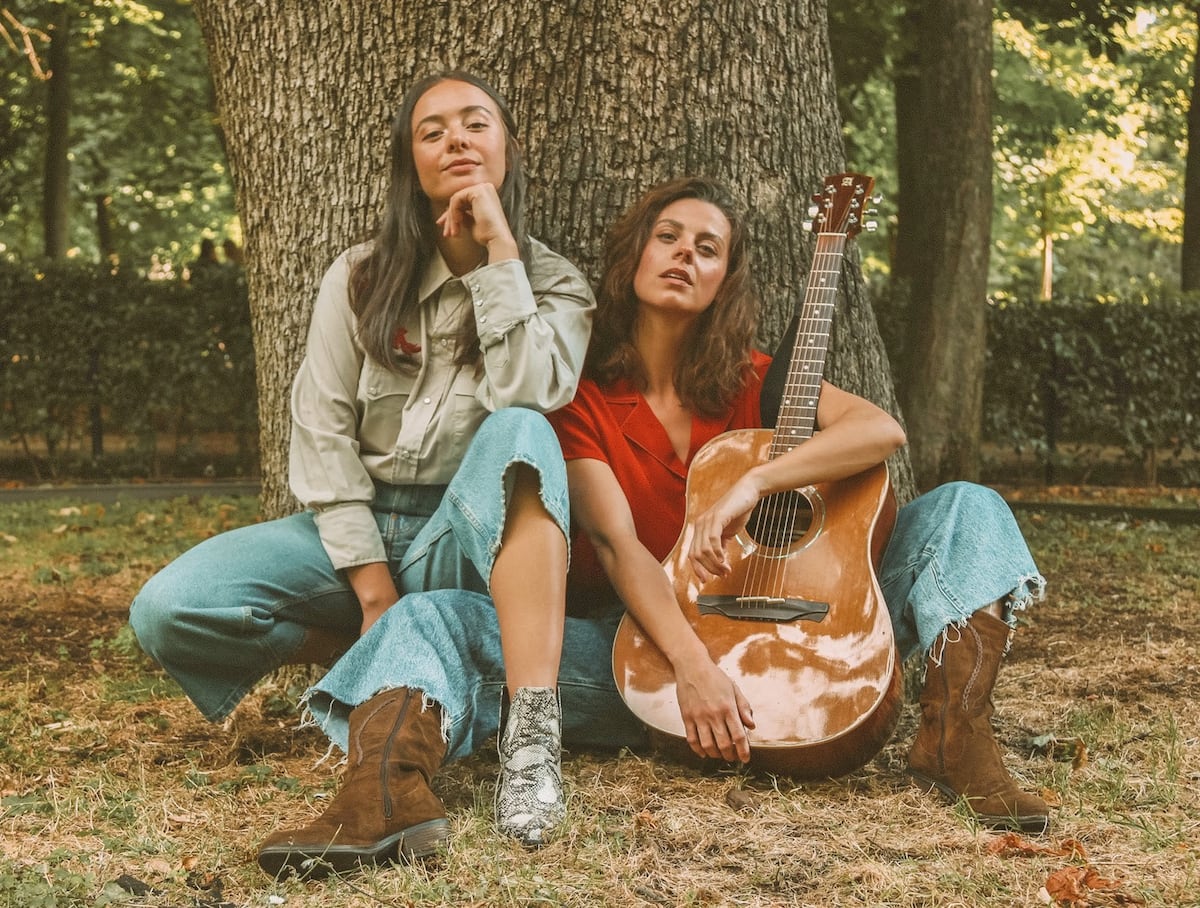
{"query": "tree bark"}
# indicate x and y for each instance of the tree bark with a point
(946, 342)
(57, 165)
(611, 95)
(1190, 263)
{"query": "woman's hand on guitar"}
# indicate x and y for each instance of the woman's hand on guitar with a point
(718, 525)
(715, 713)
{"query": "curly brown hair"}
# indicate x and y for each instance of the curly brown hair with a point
(716, 358)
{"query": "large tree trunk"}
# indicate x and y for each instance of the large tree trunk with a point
(611, 96)
(57, 166)
(946, 343)
(908, 254)
(1190, 270)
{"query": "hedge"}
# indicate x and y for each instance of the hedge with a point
(88, 351)
(1123, 376)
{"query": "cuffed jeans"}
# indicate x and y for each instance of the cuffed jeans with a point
(952, 552)
(237, 606)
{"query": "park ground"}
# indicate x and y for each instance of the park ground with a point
(113, 790)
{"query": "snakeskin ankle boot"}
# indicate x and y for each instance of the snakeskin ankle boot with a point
(529, 792)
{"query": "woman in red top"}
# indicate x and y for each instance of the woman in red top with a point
(670, 365)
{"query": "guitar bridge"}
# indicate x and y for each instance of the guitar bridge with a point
(763, 608)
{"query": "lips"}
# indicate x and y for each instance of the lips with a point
(677, 274)
(459, 163)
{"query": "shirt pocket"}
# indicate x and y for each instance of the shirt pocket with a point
(383, 394)
(468, 413)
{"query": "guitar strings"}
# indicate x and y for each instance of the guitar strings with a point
(777, 518)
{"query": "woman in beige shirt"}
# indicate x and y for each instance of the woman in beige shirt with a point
(423, 461)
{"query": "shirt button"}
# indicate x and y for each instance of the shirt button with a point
(427, 400)
(483, 319)
(373, 389)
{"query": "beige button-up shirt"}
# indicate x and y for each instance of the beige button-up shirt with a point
(355, 421)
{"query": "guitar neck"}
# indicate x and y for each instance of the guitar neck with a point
(802, 388)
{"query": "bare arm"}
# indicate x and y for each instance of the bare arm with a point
(715, 713)
(376, 591)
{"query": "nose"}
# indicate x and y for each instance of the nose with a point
(684, 250)
(456, 137)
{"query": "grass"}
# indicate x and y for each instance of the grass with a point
(115, 792)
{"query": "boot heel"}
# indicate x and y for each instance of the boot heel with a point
(424, 839)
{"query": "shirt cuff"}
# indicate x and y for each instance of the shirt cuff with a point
(350, 535)
(501, 296)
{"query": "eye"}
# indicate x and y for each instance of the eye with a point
(477, 125)
(667, 236)
(708, 250)
(431, 135)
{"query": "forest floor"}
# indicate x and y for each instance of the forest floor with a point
(113, 790)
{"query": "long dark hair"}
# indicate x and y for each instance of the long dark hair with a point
(716, 357)
(384, 284)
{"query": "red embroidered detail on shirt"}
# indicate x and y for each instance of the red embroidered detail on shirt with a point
(400, 342)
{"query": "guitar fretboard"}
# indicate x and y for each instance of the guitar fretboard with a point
(798, 407)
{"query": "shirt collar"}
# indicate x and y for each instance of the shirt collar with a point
(642, 428)
(437, 273)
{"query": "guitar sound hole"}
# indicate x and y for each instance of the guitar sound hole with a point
(780, 520)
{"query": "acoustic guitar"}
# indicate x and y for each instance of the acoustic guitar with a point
(799, 624)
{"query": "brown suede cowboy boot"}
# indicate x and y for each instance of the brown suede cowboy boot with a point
(954, 750)
(385, 809)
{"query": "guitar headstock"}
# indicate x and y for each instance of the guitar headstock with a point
(841, 205)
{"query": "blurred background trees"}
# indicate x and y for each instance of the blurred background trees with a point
(109, 144)
(111, 153)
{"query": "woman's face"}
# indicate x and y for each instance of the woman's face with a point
(458, 140)
(686, 258)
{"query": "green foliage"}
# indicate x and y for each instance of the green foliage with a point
(1089, 157)
(1090, 105)
(46, 887)
(1124, 375)
(144, 141)
(83, 343)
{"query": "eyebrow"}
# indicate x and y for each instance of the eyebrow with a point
(702, 235)
(464, 112)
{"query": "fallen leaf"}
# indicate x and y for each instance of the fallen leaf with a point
(158, 867)
(1070, 888)
(1013, 844)
(740, 799)
(1051, 797)
(1081, 757)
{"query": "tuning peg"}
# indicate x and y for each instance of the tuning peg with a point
(870, 226)
(813, 211)
(877, 198)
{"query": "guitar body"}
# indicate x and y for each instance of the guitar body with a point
(824, 679)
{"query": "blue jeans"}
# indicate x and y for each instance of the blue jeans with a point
(237, 606)
(953, 551)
